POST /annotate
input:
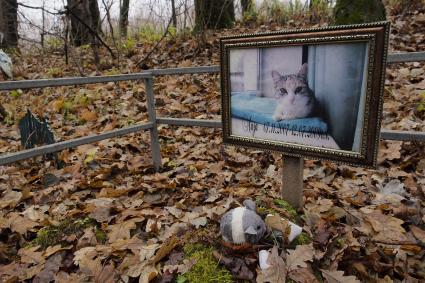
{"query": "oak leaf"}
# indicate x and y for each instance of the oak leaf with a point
(298, 257)
(122, 230)
(338, 277)
(10, 198)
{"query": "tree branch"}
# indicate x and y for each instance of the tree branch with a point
(156, 45)
(39, 8)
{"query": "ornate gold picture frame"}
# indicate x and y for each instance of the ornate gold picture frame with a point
(313, 93)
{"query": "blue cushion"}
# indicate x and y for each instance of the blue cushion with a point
(248, 106)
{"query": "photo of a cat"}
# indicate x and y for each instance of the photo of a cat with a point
(306, 94)
(314, 93)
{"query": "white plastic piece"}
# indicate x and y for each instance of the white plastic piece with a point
(263, 256)
(295, 231)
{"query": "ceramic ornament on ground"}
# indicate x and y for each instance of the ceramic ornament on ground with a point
(242, 225)
(6, 64)
(288, 228)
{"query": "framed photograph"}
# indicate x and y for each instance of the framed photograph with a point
(313, 93)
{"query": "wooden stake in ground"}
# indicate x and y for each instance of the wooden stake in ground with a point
(292, 180)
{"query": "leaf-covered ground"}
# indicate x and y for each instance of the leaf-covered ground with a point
(106, 216)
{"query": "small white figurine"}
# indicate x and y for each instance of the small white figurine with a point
(6, 64)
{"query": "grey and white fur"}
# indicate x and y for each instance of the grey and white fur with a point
(295, 100)
(242, 225)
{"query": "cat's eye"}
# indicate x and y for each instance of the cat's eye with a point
(283, 91)
(298, 89)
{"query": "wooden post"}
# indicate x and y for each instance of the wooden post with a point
(150, 102)
(292, 180)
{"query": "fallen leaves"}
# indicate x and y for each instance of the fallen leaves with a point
(337, 276)
(276, 273)
(368, 223)
(299, 257)
(122, 230)
(10, 199)
(384, 227)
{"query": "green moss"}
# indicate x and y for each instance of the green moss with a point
(206, 268)
(301, 239)
(263, 211)
(340, 242)
(100, 235)
(53, 235)
(286, 206)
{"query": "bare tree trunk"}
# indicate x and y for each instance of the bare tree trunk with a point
(124, 17)
(8, 23)
(87, 11)
(246, 6)
(359, 11)
(173, 11)
(214, 14)
(43, 25)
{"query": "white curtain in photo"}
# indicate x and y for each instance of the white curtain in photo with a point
(337, 75)
(244, 70)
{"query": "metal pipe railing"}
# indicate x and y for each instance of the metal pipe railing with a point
(153, 120)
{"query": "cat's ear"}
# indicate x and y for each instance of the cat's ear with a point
(303, 71)
(276, 76)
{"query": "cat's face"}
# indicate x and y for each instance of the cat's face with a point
(291, 87)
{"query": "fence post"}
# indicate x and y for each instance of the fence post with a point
(292, 180)
(150, 101)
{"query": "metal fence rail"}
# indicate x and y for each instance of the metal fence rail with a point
(153, 121)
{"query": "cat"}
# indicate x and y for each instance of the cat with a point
(295, 99)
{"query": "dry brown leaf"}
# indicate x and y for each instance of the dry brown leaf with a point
(147, 252)
(10, 198)
(276, 273)
(198, 222)
(418, 233)
(176, 212)
(122, 230)
(298, 257)
(88, 115)
(83, 254)
(63, 277)
(148, 273)
(106, 274)
(87, 239)
(101, 214)
(31, 256)
(54, 249)
(51, 267)
(165, 249)
(389, 150)
(386, 227)
(180, 268)
(277, 223)
(338, 277)
(302, 275)
(153, 226)
(35, 212)
(20, 224)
